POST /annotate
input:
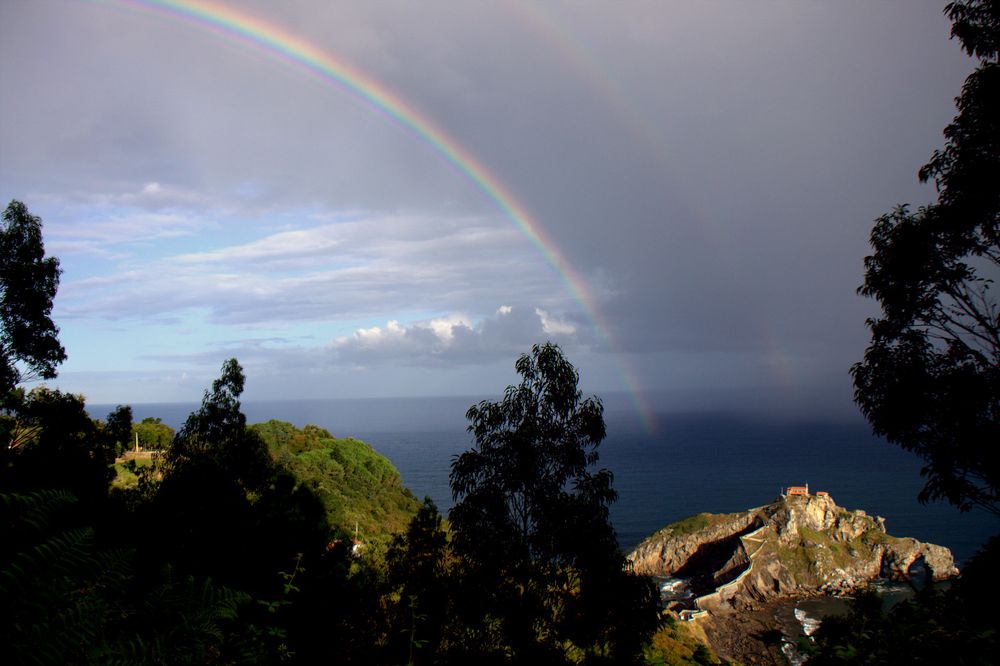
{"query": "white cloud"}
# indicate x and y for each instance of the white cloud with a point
(432, 335)
(286, 247)
(452, 339)
(152, 189)
(134, 196)
(376, 336)
(554, 326)
(68, 235)
(444, 327)
(354, 269)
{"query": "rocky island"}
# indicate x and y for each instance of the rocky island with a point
(736, 570)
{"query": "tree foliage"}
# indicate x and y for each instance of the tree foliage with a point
(224, 508)
(930, 379)
(30, 346)
(530, 463)
(219, 416)
(359, 487)
(118, 428)
(531, 521)
(418, 572)
(58, 446)
(216, 436)
(51, 576)
(153, 433)
(65, 599)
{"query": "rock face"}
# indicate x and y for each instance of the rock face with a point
(796, 545)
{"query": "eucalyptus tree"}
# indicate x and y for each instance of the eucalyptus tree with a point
(930, 379)
(531, 521)
(225, 508)
(29, 348)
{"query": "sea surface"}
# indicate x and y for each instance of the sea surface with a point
(691, 462)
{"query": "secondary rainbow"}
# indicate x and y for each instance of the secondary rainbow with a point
(292, 49)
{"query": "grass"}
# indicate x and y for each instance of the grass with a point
(818, 551)
(678, 644)
(697, 523)
(124, 478)
(798, 562)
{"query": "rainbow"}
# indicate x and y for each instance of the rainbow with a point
(277, 42)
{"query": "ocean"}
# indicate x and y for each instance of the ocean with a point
(719, 462)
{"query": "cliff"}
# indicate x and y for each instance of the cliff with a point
(795, 546)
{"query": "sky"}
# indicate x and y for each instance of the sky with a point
(678, 193)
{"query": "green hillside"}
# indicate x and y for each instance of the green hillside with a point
(358, 486)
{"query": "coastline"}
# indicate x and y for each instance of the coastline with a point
(776, 625)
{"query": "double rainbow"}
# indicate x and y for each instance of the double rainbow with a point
(277, 42)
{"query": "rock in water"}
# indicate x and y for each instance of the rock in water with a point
(797, 545)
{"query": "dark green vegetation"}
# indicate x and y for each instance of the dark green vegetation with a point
(28, 282)
(152, 434)
(696, 523)
(359, 488)
(234, 544)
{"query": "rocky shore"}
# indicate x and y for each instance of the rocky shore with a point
(795, 546)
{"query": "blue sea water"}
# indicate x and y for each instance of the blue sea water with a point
(693, 462)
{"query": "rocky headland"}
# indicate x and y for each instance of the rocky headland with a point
(741, 566)
(797, 545)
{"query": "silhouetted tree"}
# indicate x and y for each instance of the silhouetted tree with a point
(542, 562)
(217, 431)
(58, 446)
(417, 564)
(224, 508)
(30, 346)
(119, 428)
(930, 379)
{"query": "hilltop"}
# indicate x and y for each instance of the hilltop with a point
(359, 488)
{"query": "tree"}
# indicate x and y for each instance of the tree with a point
(62, 448)
(417, 563)
(217, 434)
(224, 509)
(30, 346)
(542, 561)
(219, 416)
(153, 433)
(119, 428)
(930, 379)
